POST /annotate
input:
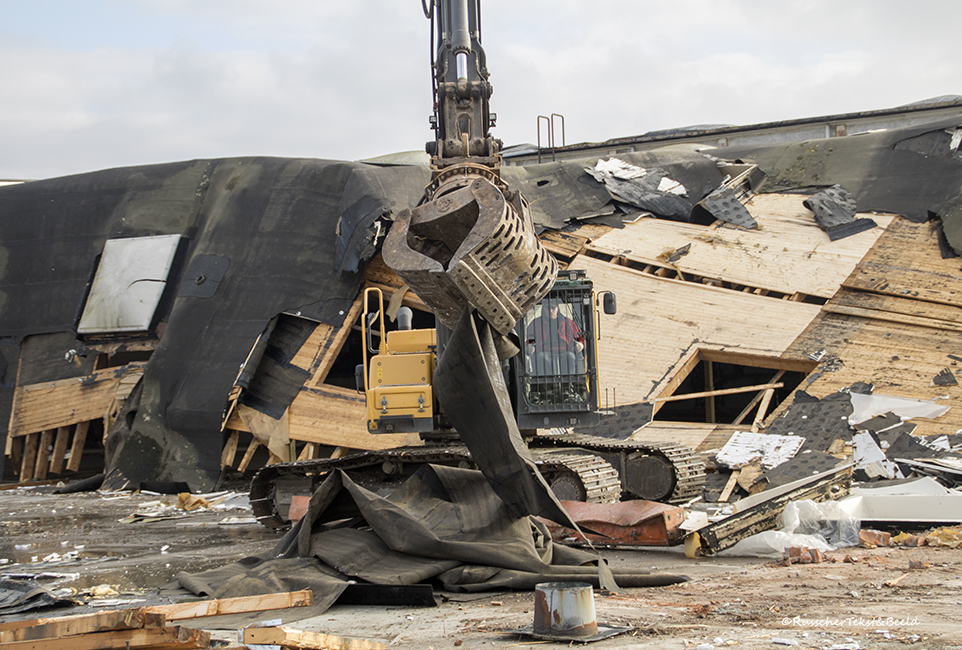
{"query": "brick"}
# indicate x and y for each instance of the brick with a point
(873, 538)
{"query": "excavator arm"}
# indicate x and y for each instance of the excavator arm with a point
(471, 241)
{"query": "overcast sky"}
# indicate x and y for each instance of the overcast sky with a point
(94, 84)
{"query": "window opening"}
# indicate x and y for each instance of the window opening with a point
(730, 388)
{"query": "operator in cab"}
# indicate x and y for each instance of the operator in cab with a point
(554, 342)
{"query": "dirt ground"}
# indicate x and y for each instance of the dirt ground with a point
(729, 602)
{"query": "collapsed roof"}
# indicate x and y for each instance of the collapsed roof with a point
(269, 248)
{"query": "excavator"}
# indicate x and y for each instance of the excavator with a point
(512, 364)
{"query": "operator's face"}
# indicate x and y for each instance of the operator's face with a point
(554, 311)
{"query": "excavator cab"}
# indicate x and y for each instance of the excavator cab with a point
(555, 377)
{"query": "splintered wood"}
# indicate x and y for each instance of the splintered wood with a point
(145, 627)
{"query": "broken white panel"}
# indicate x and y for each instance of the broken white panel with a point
(868, 406)
(670, 186)
(924, 508)
(925, 485)
(753, 500)
(941, 443)
(745, 447)
(615, 168)
(128, 285)
(870, 458)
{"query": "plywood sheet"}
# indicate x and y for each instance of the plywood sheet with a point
(331, 415)
(696, 435)
(907, 263)
(660, 321)
(895, 325)
(789, 253)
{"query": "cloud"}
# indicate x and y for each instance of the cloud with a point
(161, 80)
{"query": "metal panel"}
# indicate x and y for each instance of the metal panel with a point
(128, 285)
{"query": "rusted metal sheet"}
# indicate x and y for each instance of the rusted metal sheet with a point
(639, 523)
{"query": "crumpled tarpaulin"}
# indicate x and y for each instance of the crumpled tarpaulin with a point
(470, 387)
(444, 524)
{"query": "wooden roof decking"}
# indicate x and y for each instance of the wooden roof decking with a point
(896, 323)
(660, 320)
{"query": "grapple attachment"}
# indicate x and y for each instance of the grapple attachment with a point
(473, 244)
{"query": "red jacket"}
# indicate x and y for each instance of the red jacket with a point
(558, 335)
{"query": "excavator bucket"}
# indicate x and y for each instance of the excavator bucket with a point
(472, 246)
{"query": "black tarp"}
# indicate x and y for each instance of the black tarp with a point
(444, 525)
(273, 235)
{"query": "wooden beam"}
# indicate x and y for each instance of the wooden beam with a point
(289, 638)
(173, 636)
(308, 452)
(230, 449)
(59, 450)
(729, 486)
(77, 446)
(248, 455)
(762, 409)
(43, 454)
(218, 607)
(715, 393)
(51, 628)
(892, 317)
(29, 459)
(756, 399)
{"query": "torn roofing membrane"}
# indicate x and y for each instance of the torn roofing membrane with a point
(900, 171)
(274, 235)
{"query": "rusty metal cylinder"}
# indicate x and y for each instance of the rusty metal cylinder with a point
(564, 609)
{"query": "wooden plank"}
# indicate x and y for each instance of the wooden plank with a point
(77, 446)
(663, 324)
(218, 607)
(43, 454)
(29, 460)
(230, 450)
(337, 341)
(308, 452)
(248, 456)
(52, 628)
(789, 253)
(289, 638)
(729, 486)
(762, 409)
(892, 317)
(897, 266)
(563, 244)
(901, 304)
(67, 401)
(331, 415)
(57, 456)
(173, 636)
(715, 393)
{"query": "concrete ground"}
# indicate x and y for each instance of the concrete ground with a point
(80, 543)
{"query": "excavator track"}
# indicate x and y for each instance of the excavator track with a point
(580, 477)
(686, 465)
(575, 465)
